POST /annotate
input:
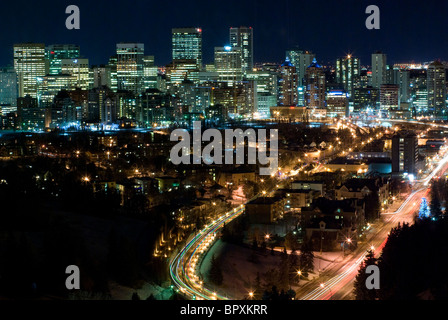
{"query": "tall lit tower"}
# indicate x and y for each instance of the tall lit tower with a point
(130, 66)
(30, 66)
(379, 69)
(56, 52)
(347, 72)
(436, 83)
(8, 87)
(228, 63)
(300, 59)
(288, 84)
(243, 37)
(187, 44)
(315, 86)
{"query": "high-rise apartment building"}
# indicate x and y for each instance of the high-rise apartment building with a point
(288, 83)
(404, 153)
(301, 59)
(315, 86)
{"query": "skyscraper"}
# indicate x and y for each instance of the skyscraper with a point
(187, 44)
(288, 84)
(300, 59)
(112, 64)
(101, 76)
(436, 83)
(149, 73)
(228, 63)
(243, 37)
(79, 68)
(379, 69)
(8, 88)
(56, 52)
(347, 72)
(130, 66)
(29, 64)
(315, 86)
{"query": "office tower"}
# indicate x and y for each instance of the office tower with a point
(8, 87)
(102, 106)
(347, 72)
(436, 84)
(300, 59)
(238, 98)
(180, 70)
(56, 52)
(404, 153)
(337, 104)
(265, 83)
(379, 69)
(112, 64)
(101, 76)
(187, 44)
(30, 115)
(150, 73)
(288, 83)
(228, 64)
(153, 108)
(78, 68)
(126, 105)
(243, 37)
(363, 80)
(62, 112)
(366, 99)
(29, 64)
(389, 97)
(402, 78)
(50, 85)
(315, 86)
(130, 66)
(193, 98)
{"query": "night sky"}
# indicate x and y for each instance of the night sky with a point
(410, 30)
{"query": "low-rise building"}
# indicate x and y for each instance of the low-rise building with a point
(265, 210)
(295, 199)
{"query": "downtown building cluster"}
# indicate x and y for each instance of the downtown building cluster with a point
(54, 86)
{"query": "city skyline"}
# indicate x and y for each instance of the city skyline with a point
(330, 32)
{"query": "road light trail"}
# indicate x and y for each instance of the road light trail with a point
(328, 288)
(183, 265)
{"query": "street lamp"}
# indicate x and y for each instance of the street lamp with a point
(251, 295)
(299, 273)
